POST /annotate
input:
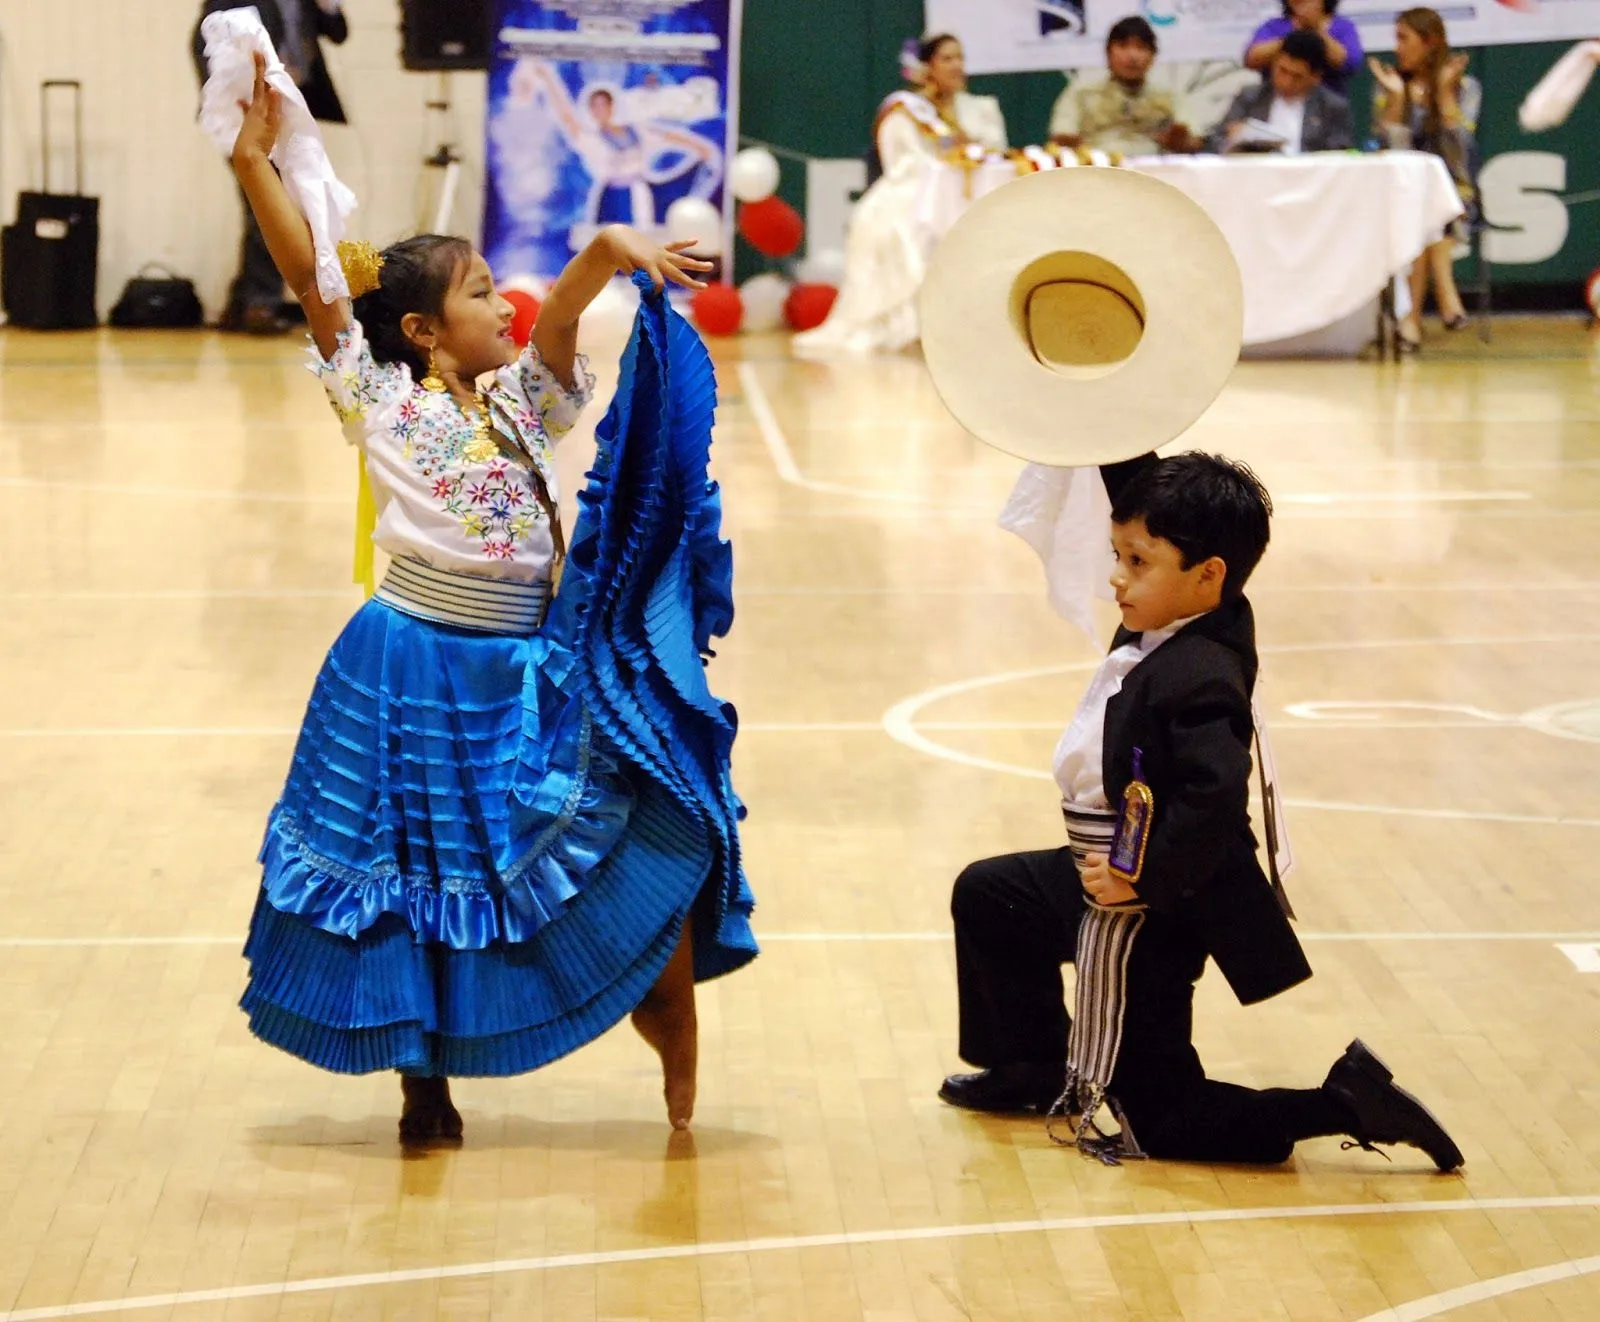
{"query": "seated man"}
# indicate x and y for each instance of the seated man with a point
(1304, 114)
(1122, 114)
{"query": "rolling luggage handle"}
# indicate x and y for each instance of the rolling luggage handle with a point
(44, 128)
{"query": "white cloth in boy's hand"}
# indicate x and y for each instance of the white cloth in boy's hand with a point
(232, 37)
(1064, 514)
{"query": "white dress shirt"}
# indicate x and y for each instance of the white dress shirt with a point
(1078, 767)
(1289, 119)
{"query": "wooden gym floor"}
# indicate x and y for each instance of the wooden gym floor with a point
(176, 525)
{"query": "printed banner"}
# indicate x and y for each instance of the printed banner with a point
(1008, 36)
(605, 111)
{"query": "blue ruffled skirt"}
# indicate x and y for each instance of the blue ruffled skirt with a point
(488, 845)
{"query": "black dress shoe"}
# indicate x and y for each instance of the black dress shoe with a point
(1383, 1112)
(1024, 1087)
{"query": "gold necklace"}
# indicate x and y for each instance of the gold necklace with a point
(483, 446)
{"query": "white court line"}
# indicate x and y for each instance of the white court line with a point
(905, 590)
(1440, 497)
(783, 461)
(1447, 1301)
(793, 1243)
(1289, 725)
(184, 594)
(816, 938)
(173, 493)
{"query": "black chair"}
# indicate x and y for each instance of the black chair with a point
(1481, 284)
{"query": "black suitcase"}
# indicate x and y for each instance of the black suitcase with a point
(49, 258)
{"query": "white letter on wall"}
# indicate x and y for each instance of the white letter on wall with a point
(1518, 190)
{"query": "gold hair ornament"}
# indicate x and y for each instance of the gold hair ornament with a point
(361, 263)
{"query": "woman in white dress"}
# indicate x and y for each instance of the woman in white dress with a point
(894, 227)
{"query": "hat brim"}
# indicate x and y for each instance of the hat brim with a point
(979, 352)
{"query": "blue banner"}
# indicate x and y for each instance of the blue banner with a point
(605, 111)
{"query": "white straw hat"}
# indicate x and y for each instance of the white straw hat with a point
(1078, 317)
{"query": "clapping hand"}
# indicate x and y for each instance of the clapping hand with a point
(1452, 71)
(1389, 78)
(262, 114)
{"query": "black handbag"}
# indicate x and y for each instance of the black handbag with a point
(157, 298)
(49, 259)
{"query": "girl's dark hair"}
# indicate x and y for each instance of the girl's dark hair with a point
(930, 45)
(1329, 7)
(417, 274)
(1206, 506)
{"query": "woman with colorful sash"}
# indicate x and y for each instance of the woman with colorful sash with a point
(893, 231)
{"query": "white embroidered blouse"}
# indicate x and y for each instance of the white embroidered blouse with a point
(443, 494)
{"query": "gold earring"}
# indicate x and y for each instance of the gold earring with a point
(433, 382)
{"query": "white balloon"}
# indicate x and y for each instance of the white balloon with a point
(764, 297)
(693, 219)
(825, 267)
(754, 176)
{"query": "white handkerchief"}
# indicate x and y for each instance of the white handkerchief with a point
(232, 37)
(1065, 515)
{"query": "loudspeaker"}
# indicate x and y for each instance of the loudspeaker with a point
(446, 34)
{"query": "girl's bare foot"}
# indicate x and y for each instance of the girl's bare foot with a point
(428, 1115)
(666, 1019)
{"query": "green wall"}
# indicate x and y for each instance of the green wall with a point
(813, 72)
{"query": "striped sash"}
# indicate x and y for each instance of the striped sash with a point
(1105, 942)
(468, 601)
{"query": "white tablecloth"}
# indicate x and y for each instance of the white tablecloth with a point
(1316, 236)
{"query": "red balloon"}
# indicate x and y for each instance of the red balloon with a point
(772, 227)
(718, 309)
(527, 307)
(808, 305)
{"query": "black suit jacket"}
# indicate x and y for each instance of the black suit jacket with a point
(1186, 708)
(1326, 126)
(321, 98)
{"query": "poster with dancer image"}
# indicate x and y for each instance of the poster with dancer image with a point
(1009, 36)
(605, 111)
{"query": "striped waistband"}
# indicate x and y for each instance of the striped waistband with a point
(489, 605)
(1089, 830)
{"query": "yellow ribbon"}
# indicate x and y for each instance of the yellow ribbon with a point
(366, 522)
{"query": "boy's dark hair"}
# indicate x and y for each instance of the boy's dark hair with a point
(1329, 7)
(1306, 47)
(417, 274)
(1132, 28)
(1206, 506)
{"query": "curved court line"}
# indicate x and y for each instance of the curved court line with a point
(900, 723)
(790, 1243)
(1447, 1301)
